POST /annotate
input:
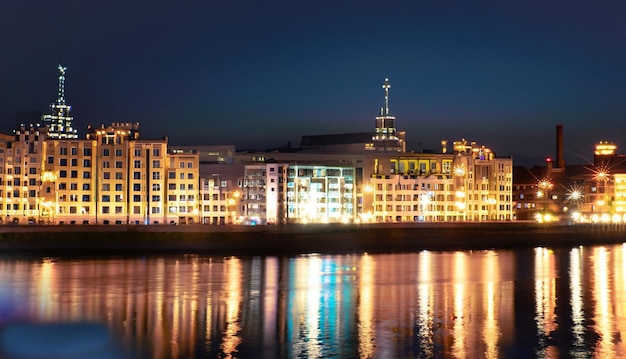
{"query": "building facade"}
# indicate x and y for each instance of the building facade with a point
(111, 177)
(470, 184)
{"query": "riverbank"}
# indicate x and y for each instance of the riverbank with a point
(94, 240)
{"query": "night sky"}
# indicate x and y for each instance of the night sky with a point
(258, 74)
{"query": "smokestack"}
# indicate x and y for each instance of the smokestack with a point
(560, 161)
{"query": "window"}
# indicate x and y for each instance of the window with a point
(50, 160)
(190, 186)
(32, 193)
(118, 175)
(106, 164)
(171, 175)
(105, 209)
(156, 186)
(86, 174)
(63, 151)
(74, 151)
(156, 175)
(118, 187)
(63, 173)
(156, 152)
(62, 186)
(63, 162)
(137, 152)
(171, 186)
(181, 164)
(106, 198)
(73, 198)
(156, 164)
(86, 186)
(136, 175)
(119, 198)
(106, 175)
(74, 174)
(136, 210)
(86, 198)
(136, 198)
(189, 175)
(191, 197)
(189, 164)
(118, 152)
(118, 210)
(182, 176)
(17, 170)
(182, 198)
(118, 164)
(182, 187)
(86, 163)
(155, 210)
(32, 181)
(156, 198)
(73, 186)
(105, 152)
(171, 197)
(74, 162)
(86, 151)
(137, 164)
(136, 187)
(72, 209)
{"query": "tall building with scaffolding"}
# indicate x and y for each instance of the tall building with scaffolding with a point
(59, 121)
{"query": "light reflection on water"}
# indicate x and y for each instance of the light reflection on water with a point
(487, 304)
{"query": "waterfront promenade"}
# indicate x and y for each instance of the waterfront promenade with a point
(296, 239)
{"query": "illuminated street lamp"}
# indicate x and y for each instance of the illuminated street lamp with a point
(545, 186)
(367, 217)
(425, 201)
(491, 202)
(49, 203)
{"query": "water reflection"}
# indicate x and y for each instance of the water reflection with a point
(491, 304)
(545, 301)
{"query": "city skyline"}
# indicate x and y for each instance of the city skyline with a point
(262, 76)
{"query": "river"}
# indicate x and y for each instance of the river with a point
(538, 302)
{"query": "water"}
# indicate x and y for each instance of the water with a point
(472, 304)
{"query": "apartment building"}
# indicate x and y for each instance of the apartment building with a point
(183, 195)
(111, 177)
(20, 170)
(470, 184)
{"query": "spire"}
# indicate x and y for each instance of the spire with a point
(386, 86)
(59, 121)
(61, 95)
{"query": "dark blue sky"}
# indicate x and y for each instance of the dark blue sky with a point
(262, 73)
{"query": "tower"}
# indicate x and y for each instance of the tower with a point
(386, 136)
(59, 120)
(560, 161)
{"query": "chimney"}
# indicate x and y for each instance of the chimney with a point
(560, 161)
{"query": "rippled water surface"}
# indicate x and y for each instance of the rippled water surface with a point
(482, 304)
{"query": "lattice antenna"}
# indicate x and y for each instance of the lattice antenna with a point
(61, 94)
(386, 86)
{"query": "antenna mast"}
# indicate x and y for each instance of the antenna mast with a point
(386, 86)
(61, 94)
